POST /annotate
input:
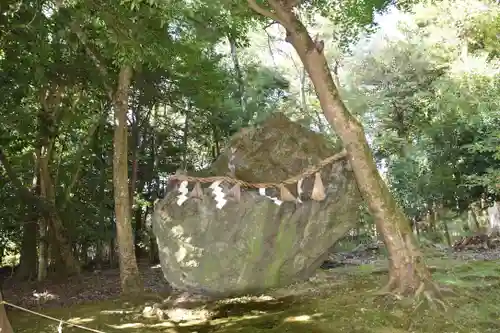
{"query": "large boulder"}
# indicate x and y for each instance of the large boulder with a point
(252, 243)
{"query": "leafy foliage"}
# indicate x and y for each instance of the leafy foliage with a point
(424, 78)
(430, 100)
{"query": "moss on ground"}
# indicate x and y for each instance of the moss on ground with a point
(335, 301)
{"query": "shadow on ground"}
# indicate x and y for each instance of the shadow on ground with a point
(335, 301)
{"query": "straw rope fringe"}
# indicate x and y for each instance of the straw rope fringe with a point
(306, 173)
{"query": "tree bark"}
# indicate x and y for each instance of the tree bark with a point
(472, 220)
(43, 250)
(135, 146)
(50, 100)
(28, 259)
(431, 219)
(185, 137)
(416, 227)
(138, 231)
(216, 145)
(53, 221)
(129, 272)
(494, 217)
(5, 326)
(407, 270)
(304, 87)
(239, 76)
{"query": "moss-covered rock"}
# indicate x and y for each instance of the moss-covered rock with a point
(255, 244)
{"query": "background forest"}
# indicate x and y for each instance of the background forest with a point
(422, 77)
(425, 83)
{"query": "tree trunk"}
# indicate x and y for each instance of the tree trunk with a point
(447, 232)
(129, 272)
(431, 220)
(84, 253)
(133, 181)
(139, 226)
(101, 253)
(239, 78)
(49, 101)
(407, 270)
(494, 217)
(28, 258)
(154, 256)
(54, 223)
(185, 136)
(473, 223)
(112, 253)
(43, 250)
(216, 140)
(416, 227)
(304, 87)
(43, 229)
(439, 215)
(5, 326)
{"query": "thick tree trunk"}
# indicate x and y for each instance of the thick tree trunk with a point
(28, 258)
(43, 229)
(60, 239)
(5, 326)
(43, 250)
(129, 272)
(407, 270)
(50, 101)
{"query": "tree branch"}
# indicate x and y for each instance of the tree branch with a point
(22, 190)
(294, 27)
(291, 4)
(265, 12)
(78, 159)
(262, 11)
(102, 69)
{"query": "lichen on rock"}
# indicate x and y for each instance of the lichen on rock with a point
(253, 244)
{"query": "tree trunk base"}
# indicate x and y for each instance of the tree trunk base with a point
(426, 291)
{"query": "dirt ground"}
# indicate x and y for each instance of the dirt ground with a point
(105, 284)
(339, 299)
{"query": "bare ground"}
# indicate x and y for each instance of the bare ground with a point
(104, 285)
(88, 287)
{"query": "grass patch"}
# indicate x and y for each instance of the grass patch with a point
(335, 301)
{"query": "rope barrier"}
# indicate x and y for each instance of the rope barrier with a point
(307, 172)
(60, 321)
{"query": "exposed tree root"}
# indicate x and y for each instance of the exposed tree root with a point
(427, 292)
